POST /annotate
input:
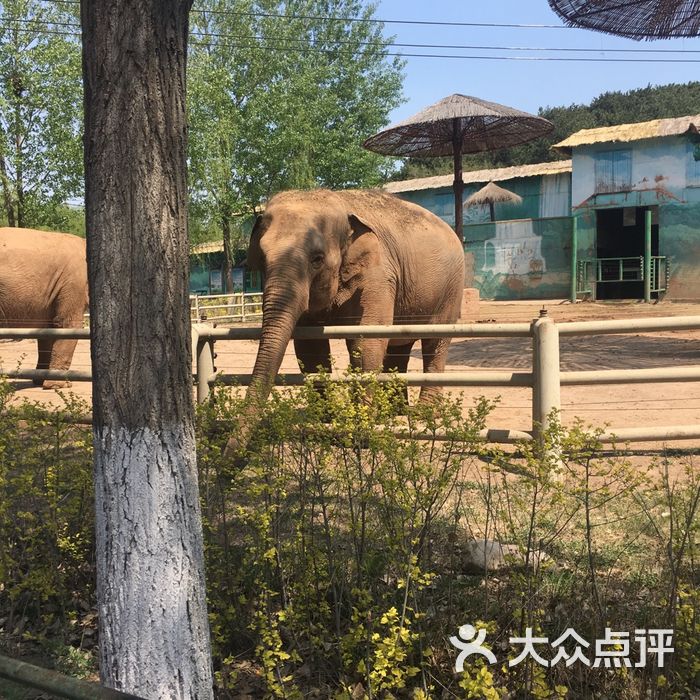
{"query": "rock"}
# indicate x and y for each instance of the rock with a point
(480, 556)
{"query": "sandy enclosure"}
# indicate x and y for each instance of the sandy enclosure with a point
(616, 406)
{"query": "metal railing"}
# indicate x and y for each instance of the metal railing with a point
(616, 270)
(545, 380)
(57, 684)
(236, 308)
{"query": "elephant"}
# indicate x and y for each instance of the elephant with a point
(43, 283)
(350, 257)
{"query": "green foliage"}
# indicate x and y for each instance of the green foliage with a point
(336, 560)
(608, 109)
(46, 528)
(279, 100)
(40, 112)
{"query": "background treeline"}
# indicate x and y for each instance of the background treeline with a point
(280, 95)
(609, 109)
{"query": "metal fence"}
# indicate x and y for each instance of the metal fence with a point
(545, 380)
(615, 270)
(236, 308)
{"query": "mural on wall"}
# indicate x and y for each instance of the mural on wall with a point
(515, 250)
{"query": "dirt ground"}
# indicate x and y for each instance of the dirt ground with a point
(615, 406)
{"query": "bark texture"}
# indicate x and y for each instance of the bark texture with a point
(154, 637)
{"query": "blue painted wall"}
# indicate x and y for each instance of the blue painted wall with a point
(664, 174)
(525, 253)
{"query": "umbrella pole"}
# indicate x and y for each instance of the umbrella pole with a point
(458, 186)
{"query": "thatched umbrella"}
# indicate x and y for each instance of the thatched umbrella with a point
(636, 19)
(490, 194)
(455, 125)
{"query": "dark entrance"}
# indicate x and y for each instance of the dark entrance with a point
(620, 251)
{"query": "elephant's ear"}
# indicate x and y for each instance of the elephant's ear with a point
(254, 259)
(362, 253)
(357, 226)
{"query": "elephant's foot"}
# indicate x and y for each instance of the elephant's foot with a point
(49, 384)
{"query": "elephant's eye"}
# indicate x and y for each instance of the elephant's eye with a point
(317, 259)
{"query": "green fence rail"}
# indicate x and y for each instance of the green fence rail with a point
(629, 269)
(55, 683)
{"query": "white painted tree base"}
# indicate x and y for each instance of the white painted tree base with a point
(151, 574)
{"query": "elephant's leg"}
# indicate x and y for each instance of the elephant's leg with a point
(45, 346)
(61, 358)
(434, 360)
(396, 360)
(367, 354)
(313, 354)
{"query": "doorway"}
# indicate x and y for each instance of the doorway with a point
(620, 251)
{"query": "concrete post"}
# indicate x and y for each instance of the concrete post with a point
(546, 391)
(204, 356)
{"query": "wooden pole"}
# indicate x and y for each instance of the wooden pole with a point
(458, 185)
(574, 260)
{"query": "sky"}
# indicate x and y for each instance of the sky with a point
(523, 84)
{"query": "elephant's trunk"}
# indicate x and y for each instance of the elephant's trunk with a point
(282, 308)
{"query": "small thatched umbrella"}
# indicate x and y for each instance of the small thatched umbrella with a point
(455, 125)
(490, 194)
(636, 19)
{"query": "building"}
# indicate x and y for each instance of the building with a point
(207, 270)
(620, 220)
(636, 209)
(526, 252)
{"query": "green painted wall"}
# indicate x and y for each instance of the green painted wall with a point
(523, 259)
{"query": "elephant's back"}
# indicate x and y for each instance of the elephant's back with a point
(36, 267)
(397, 218)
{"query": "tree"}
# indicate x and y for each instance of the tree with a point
(608, 109)
(281, 95)
(154, 636)
(40, 112)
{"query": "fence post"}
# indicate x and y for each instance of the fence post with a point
(574, 261)
(546, 389)
(204, 357)
(647, 256)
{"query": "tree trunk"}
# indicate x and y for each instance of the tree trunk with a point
(6, 194)
(154, 636)
(228, 255)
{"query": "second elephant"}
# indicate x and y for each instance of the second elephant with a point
(43, 283)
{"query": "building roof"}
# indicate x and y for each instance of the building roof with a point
(476, 176)
(624, 133)
(208, 247)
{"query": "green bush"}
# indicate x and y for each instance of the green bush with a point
(46, 522)
(335, 548)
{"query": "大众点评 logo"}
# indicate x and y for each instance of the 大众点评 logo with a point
(613, 650)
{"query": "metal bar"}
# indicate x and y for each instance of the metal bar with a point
(502, 436)
(69, 375)
(56, 683)
(647, 256)
(637, 325)
(631, 376)
(456, 330)
(34, 333)
(451, 379)
(656, 434)
(574, 260)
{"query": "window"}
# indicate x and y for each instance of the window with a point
(693, 164)
(613, 171)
